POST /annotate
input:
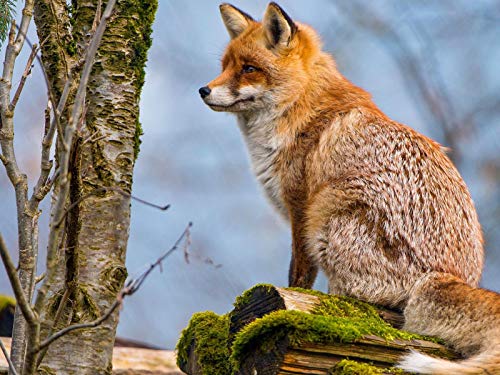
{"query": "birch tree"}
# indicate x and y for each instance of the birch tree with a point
(93, 56)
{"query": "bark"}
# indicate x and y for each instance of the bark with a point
(96, 231)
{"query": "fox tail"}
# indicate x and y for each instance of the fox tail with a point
(467, 318)
(487, 362)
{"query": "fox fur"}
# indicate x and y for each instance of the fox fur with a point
(378, 206)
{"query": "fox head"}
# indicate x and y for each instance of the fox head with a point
(265, 65)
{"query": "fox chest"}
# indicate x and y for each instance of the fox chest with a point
(266, 169)
(264, 154)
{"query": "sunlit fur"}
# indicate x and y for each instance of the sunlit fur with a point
(379, 207)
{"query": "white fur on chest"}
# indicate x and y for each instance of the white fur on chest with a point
(264, 147)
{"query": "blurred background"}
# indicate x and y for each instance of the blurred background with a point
(434, 65)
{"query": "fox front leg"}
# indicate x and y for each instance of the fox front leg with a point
(303, 270)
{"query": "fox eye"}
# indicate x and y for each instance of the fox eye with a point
(249, 69)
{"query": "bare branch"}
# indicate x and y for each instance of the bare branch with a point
(22, 282)
(40, 278)
(20, 295)
(7, 357)
(40, 190)
(106, 189)
(136, 283)
(26, 73)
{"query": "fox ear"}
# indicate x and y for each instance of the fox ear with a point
(278, 26)
(235, 20)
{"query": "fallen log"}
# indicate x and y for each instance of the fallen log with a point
(263, 299)
(290, 331)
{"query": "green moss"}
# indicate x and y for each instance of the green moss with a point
(45, 370)
(209, 332)
(87, 310)
(137, 138)
(140, 16)
(348, 307)
(140, 28)
(113, 277)
(312, 292)
(245, 297)
(348, 367)
(6, 301)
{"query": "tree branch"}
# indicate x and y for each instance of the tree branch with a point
(22, 283)
(20, 295)
(26, 73)
(7, 357)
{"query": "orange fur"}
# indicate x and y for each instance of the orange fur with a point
(379, 207)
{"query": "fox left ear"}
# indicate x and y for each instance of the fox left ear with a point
(235, 20)
(278, 26)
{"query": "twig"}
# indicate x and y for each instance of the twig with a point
(97, 16)
(130, 288)
(26, 73)
(136, 283)
(7, 357)
(106, 189)
(40, 278)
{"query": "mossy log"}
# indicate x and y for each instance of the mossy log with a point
(291, 331)
(263, 299)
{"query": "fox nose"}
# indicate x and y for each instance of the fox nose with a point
(204, 91)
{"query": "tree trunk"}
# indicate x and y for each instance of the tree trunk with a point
(92, 266)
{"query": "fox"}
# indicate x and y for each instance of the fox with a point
(379, 207)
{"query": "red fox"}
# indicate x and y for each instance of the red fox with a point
(379, 207)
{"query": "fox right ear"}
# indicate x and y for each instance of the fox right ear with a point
(235, 20)
(278, 26)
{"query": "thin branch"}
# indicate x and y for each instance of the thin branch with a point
(40, 190)
(106, 189)
(26, 73)
(7, 357)
(136, 283)
(40, 278)
(21, 298)
(130, 288)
